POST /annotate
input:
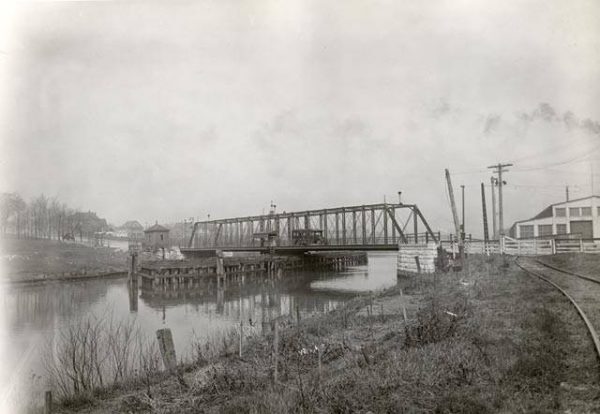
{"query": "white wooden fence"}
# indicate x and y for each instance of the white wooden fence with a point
(528, 247)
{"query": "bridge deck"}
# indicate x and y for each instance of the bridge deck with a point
(289, 249)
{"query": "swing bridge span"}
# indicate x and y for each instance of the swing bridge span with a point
(373, 227)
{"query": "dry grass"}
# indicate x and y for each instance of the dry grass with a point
(27, 259)
(490, 339)
(582, 263)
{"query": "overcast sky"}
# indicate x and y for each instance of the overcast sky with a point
(155, 111)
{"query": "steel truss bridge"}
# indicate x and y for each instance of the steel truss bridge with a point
(366, 227)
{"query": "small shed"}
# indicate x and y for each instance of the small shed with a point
(156, 237)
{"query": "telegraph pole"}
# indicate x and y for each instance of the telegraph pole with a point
(462, 187)
(567, 192)
(494, 225)
(486, 235)
(500, 168)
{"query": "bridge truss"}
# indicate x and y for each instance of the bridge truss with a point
(365, 227)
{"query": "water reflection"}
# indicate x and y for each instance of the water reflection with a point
(35, 314)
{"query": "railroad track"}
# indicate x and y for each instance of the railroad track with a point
(582, 291)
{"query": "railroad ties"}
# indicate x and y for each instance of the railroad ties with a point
(190, 274)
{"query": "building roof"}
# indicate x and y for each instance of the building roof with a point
(132, 224)
(547, 212)
(156, 228)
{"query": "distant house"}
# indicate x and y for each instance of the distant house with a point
(156, 237)
(133, 230)
(86, 224)
(578, 218)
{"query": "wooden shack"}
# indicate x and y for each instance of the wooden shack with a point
(156, 237)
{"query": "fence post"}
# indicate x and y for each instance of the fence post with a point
(581, 245)
(241, 336)
(553, 245)
(167, 349)
(48, 402)
(403, 307)
(319, 356)
(275, 351)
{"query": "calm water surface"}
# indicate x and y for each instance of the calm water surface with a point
(35, 314)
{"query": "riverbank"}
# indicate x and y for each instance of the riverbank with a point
(489, 339)
(38, 260)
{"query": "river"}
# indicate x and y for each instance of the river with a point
(34, 315)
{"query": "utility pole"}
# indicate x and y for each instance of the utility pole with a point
(486, 235)
(500, 168)
(455, 217)
(494, 225)
(567, 192)
(462, 187)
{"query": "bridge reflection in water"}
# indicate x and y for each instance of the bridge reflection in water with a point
(36, 315)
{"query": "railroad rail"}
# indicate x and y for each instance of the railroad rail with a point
(580, 296)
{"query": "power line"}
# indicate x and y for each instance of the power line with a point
(544, 153)
(579, 158)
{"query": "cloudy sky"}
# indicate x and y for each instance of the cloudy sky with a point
(155, 111)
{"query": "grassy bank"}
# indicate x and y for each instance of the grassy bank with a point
(583, 263)
(490, 339)
(36, 260)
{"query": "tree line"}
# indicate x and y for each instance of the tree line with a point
(46, 218)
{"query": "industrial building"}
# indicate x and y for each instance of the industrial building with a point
(579, 218)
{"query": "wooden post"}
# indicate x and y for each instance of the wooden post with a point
(457, 229)
(132, 267)
(486, 235)
(415, 226)
(276, 352)
(298, 314)
(167, 349)
(319, 356)
(241, 336)
(403, 307)
(48, 402)
(494, 225)
(418, 264)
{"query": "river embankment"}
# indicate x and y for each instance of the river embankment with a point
(487, 339)
(38, 260)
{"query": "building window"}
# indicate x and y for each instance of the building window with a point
(574, 211)
(525, 231)
(560, 212)
(561, 229)
(544, 230)
(586, 211)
